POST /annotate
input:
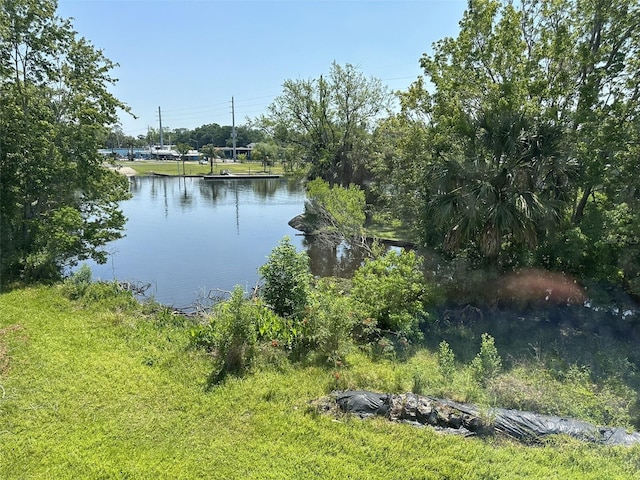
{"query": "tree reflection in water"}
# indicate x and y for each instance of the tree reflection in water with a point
(327, 260)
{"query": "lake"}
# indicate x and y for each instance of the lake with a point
(189, 236)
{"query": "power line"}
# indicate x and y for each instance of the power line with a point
(196, 108)
(198, 114)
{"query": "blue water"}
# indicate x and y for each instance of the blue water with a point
(188, 237)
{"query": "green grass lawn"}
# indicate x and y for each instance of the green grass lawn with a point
(168, 167)
(110, 391)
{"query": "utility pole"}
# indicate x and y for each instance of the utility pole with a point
(160, 120)
(233, 129)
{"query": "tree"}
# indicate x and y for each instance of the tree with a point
(58, 205)
(534, 106)
(212, 152)
(286, 280)
(183, 150)
(391, 290)
(335, 213)
(330, 121)
(399, 186)
(265, 153)
(604, 115)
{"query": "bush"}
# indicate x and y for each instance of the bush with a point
(286, 280)
(487, 364)
(331, 322)
(336, 213)
(392, 290)
(603, 247)
(78, 282)
(446, 360)
(273, 328)
(230, 336)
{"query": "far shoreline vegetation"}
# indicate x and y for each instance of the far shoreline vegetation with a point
(515, 169)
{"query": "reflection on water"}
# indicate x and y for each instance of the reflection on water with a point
(333, 261)
(187, 236)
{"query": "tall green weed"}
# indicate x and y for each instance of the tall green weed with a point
(330, 323)
(230, 336)
(487, 364)
(287, 279)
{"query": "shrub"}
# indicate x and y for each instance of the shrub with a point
(392, 290)
(487, 364)
(331, 322)
(286, 280)
(446, 360)
(230, 336)
(273, 328)
(77, 283)
(336, 213)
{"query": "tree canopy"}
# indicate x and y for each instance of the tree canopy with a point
(58, 204)
(517, 123)
(330, 121)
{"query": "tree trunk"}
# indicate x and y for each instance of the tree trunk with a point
(578, 214)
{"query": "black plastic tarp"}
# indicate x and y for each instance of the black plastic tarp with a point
(468, 419)
(363, 403)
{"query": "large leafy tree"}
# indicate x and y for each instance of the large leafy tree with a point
(58, 204)
(330, 121)
(523, 116)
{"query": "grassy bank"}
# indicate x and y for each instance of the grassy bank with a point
(168, 167)
(103, 388)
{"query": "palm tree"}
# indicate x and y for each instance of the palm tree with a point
(212, 152)
(183, 150)
(507, 183)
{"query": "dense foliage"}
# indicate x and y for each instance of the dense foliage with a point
(210, 134)
(286, 280)
(515, 148)
(329, 122)
(522, 150)
(392, 291)
(335, 213)
(58, 204)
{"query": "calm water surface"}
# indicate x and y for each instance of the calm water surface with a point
(187, 236)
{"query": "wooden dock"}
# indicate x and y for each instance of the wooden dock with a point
(240, 176)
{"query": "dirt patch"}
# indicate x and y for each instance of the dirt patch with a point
(128, 171)
(121, 169)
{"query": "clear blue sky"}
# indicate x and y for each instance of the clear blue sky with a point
(191, 57)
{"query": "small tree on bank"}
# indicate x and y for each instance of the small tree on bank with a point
(336, 213)
(286, 280)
